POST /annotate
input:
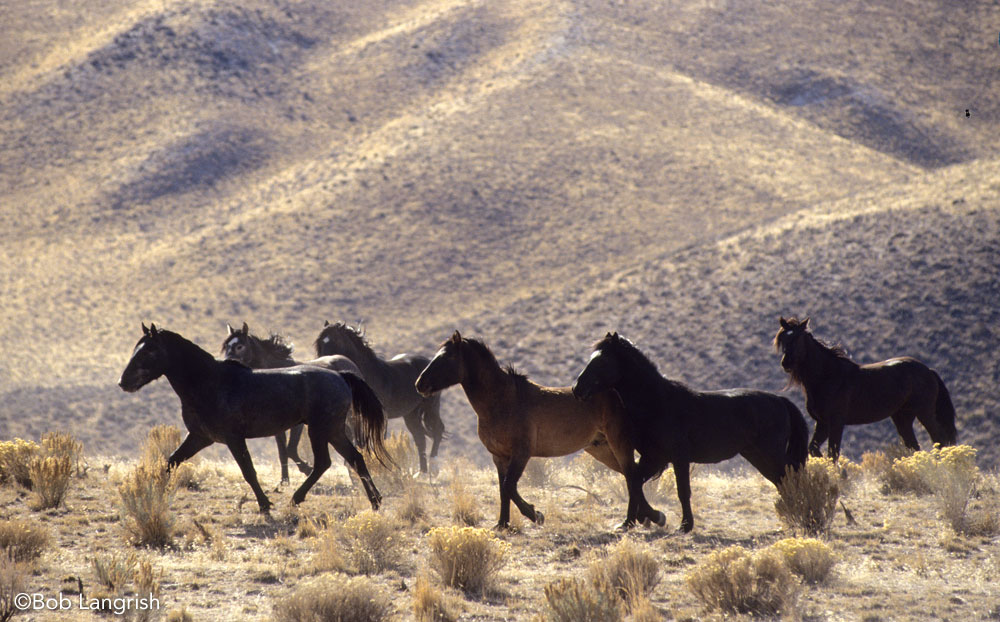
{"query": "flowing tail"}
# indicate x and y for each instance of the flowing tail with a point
(798, 438)
(369, 418)
(944, 412)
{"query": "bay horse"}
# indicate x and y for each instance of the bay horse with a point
(671, 423)
(257, 353)
(392, 380)
(519, 419)
(227, 402)
(841, 392)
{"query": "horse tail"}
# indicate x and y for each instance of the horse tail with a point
(369, 418)
(797, 450)
(944, 413)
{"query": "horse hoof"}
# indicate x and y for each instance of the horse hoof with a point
(539, 518)
(625, 526)
(501, 527)
(296, 499)
(687, 527)
(661, 520)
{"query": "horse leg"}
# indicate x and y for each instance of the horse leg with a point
(904, 425)
(191, 445)
(502, 465)
(833, 445)
(645, 512)
(432, 421)
(293, 450)
(820, 434)
(416, 428)
(354, 458)
(514, 471)
(279, 439)
(238, 447)
(682, 475)
(318, 438)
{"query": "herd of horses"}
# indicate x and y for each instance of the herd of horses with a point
(619, 406)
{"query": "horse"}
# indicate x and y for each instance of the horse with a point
(392, 381)
(672, 423)
(840, 392)
(227, 402)
(519, 419)
(256, 353)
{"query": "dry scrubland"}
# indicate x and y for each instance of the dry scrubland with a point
(909, 549)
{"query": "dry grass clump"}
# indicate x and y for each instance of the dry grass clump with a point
(22, 540)
(15, 460)
(537, 473)
(399, 474)
(875, 465)
(411, 508)
(161, 442)
(334, 597)
(951, 475)
(466, 558)
(429, 604)
(13, 576)
(114, 571)
(464, 506)
(735, 580)
(373, 542)
(59, 444)
(577, 600)
(630, 570)
(328, 556)
(145, 495)
(50, 479)
(807, 557)
(808, 497)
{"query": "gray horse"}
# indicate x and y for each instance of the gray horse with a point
(392, 382)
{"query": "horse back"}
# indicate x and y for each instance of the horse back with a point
(891, 385)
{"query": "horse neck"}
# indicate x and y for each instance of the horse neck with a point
(265, 359)
(821, 365)
(376, 371)
(192, 371)
(485, 383)
(641, 384)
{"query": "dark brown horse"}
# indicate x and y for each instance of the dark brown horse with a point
(274, 352)
(840, 392)
(670, 423)
(519, 419)
(227, 402)
(392, 380)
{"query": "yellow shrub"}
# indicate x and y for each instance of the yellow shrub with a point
(808, 497)
(466, 557)
(807, 557)
(429, 604)
(335, 597)
(145, 495)
(50, 479)
(575, 600)
(22, 540)
(735, 581)
(374, 542)
(630, 570)
(15, 460)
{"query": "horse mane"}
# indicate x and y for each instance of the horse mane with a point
(638, 363)
(356, 335)
(482, 350)
(276, 345)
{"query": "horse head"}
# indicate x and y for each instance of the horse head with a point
(602, 370)
(238, 346)
(445, 369)
(790, 341)
(149, 361)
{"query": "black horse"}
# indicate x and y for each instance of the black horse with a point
(840, 392)
(273, 352)
(227, 402)
(671, 423)
(392, 382)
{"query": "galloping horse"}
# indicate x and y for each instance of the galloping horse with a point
(271, 353)
(840, 392)
(227, 402)
(670, 423)
(519, 419)
(392, 382)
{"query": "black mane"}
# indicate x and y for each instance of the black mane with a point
(356, 335)
(635, 361)
(275, 345)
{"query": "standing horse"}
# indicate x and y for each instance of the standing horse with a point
(392, 382)
(519, 419)
(271, 353)
(840, 392)
(227, 402)
(670, 423)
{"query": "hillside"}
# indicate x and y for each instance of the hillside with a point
(534, 173)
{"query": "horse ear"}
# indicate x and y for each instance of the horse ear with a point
(230, 327)
(783, 322)
(145, 331)
(457, 337)
(246, 329)
(326, 323)
(805, 323)
(152, 329)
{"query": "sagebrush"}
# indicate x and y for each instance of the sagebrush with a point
(466, 558)
(807, 498)
(336, 598)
